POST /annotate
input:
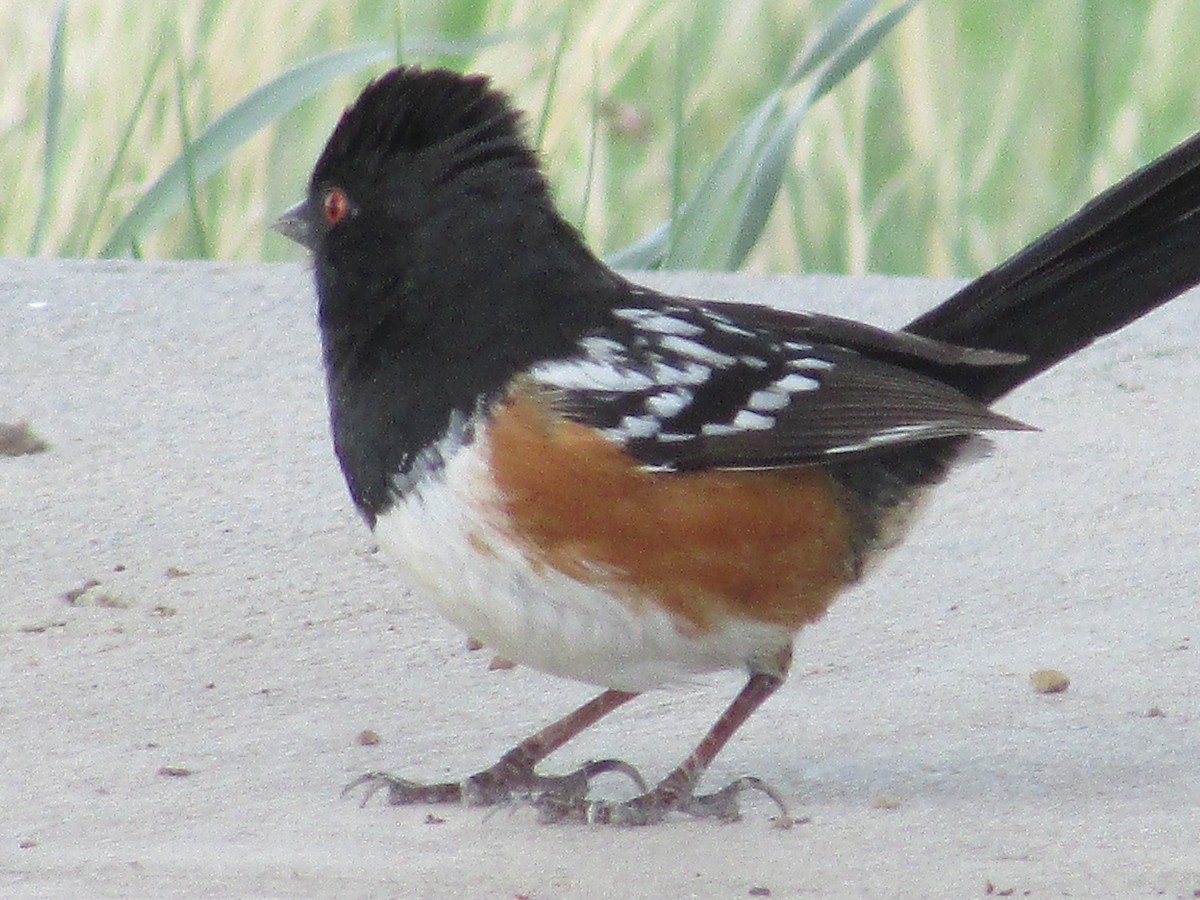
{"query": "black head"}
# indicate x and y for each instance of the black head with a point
(409, 133)
(442, 267)
(428, 204)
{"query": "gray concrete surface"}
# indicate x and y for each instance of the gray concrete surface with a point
(241, 634)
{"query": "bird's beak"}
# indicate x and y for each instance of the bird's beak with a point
(296, 224)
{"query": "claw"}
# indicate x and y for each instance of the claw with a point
(603, 766)
(651, 807)
(723, 804)
(500, 784)
(375, 782)
(401, 791)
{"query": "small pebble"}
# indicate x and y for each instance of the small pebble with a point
(1049, 681)
(16, 439)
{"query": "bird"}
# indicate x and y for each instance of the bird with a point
(626, 488)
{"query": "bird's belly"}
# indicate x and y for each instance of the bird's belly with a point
(444, 537)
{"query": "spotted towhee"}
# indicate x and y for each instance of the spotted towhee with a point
(625, 488)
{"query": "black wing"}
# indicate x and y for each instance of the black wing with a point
(686, 384)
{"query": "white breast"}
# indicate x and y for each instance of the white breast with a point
(540, 617)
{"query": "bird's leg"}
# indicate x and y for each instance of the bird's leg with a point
(677, 790)
(514, 773)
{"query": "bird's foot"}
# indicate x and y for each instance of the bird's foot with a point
(652, 807)
(510, 779)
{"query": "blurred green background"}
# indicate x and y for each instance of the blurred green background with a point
(973, 126)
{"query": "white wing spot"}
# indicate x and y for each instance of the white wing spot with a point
(658, 322)
(603, 349)
(697, 351)
(821, 365)
(747, 420)
(672, 376)
(722, 324)
(590, 375)
(669, 403)
(769, 400)
(796, 382)
(638, 427)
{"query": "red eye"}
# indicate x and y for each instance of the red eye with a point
(337, 206)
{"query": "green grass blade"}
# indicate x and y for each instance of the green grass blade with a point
(458, 48)
(53, 119)
(856, 52)
(841, 28)
(646, 252)
(189, 158)
(259, 108)
(81, 245)
(560, 48)
(255, 111)
(763, 186)
(766, 179)
(712, 222)
(678, 132)
(593, 140)
(723, 218)
(689, 238)
(233, 128)
(701, 230)
(398, 33)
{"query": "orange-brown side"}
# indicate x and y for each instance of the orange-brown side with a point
(773, 546)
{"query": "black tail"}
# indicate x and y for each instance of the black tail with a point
(1130, 250)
